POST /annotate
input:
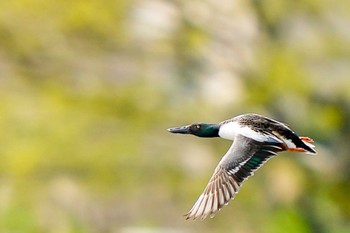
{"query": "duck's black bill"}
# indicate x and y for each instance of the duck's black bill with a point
(182, 130)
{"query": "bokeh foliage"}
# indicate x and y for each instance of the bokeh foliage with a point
(88, 89)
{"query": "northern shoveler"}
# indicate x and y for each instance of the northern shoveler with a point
(255, 139)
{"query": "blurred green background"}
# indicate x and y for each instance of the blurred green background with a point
(88, 89)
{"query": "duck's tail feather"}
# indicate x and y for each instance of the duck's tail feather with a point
(309, 143)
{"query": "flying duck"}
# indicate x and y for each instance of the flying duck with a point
(255, 139)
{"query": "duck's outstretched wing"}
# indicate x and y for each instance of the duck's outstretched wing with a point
(244, 157)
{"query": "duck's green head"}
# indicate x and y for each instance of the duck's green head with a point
(198, 129)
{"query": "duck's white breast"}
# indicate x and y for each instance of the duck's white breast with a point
(231, 129)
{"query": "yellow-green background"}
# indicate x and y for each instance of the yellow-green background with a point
(88, 89)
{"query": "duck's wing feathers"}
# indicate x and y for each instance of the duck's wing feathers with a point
(244, 157)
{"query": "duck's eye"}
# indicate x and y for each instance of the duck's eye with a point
(197, 126)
